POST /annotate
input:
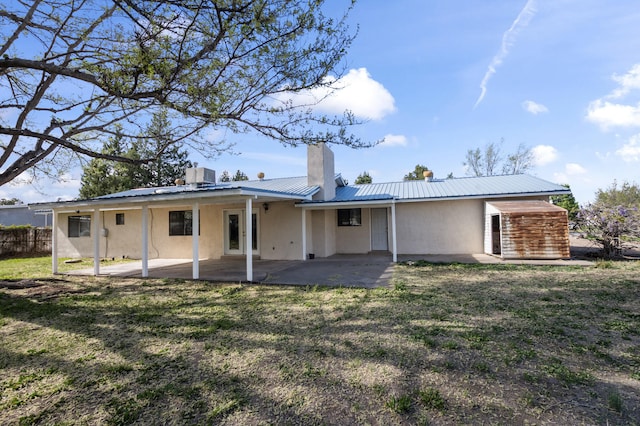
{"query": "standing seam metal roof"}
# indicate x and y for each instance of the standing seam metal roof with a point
(448, 188)
(294, 186)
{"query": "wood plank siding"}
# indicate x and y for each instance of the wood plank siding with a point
(529, 230)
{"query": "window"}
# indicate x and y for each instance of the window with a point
(119, 218)
(181, 222)
(349, 217)
(79, 226)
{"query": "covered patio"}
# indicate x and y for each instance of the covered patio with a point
(365, 271)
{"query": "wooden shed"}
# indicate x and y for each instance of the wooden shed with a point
(526, 230)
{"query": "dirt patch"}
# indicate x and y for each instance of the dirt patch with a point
(41, 288)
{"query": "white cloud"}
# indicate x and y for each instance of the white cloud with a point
(67, 181)
(630, 152)
(570, 173)
(357, 92)
(544, 154)
(508, 40)
(534, 107)
(394, 140)
(573, 169)
(627, 82)
(607, 114)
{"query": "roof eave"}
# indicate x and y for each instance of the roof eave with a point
(173, 197)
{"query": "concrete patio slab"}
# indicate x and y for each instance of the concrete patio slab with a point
(364, 271)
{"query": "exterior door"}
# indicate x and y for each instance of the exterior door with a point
(496, 246)
(235, 232)
(379, 230)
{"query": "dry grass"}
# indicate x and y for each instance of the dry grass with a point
(445, 345)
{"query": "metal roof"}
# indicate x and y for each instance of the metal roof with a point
(470, 187)
(531, 206)
(293, 186)
(297, 188)
(286, 188)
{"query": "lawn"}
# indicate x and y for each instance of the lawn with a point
(445, 344)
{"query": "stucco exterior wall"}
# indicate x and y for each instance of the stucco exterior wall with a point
(281, 231)
(440, 227)
(122, 240)
(323, 226)
(354, 239)
(72, 247)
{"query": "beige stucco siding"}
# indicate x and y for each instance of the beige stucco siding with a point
(442, 227)
(72, 247)
(121, 240)
(281, 231)
(354, 239)
(323, 226)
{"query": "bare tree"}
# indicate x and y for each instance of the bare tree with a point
(519, 162)
(490, 161)
(74, 72)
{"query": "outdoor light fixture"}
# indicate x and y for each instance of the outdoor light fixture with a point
(266, 206)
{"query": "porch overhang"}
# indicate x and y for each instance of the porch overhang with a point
(193, 199)
(335, 205)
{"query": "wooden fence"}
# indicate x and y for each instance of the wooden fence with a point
(24, 241)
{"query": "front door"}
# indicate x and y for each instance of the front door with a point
(379, 230)
(235, 232)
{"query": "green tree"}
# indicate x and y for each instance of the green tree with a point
(364, 178)
(239, 176)
(490, 161)
(225, 177)
(628, 194)
(417, 173)
(231, 65)
(101, 176)
(568, 202)
(9, 201)
(169, 159)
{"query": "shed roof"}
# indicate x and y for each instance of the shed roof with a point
(525, 206)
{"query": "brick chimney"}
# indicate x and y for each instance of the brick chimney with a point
(321, 171)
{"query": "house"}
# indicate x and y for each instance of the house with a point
(20, 214)
(301, 217)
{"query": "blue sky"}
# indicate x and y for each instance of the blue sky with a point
(436, 78)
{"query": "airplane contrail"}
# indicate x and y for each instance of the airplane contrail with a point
(508, 40)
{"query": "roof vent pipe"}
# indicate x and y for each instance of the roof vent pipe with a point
(428, 175)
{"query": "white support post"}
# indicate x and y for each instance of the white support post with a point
(248, 246)
(196, 240)
(394, 240)
(54, 242)
(145, 241)
(96, 242)
(304, 234)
